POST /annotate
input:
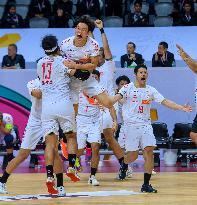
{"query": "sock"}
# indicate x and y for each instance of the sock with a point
(147, 178)
(4, 178)
(124, 166)
(93, 171)
(49, 169)
(59, 179)
(121, 160)
(72, 159)
(10, 156)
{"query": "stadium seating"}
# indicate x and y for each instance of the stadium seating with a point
(113, 21)
(38, 22)
(163, 9)
(22, 10)
(163, 21)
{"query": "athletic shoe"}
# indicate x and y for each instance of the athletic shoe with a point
(3, 188)
(154, 172)
(147, 188)
(72, 174)
(122, 173)
(78, 165)
(129, 172)
(93, 181)
(51, 185)
(61, 191)
(64, 150)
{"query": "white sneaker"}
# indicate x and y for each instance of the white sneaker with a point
(61, 191)
(93, 181)
(3, 188)
(154, 172)
(129, 172)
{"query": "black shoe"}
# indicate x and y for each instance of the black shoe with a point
(122, 173)
(148, 188)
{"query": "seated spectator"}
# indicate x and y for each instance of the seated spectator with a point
(60, 19)
(163, 58)
(131, 59)
(66, 5)
(88, 7)
(13, 60)
(187, 18)
(39, 8)
(7, 136)
(11, 19)
(138, 18)
(113, 8)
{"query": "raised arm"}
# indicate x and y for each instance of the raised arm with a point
(116, 98)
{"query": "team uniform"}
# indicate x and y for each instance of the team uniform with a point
(57, 108)
(107, 72)
(88, 121)
(136, 116)
(33, 131)
(81, 55)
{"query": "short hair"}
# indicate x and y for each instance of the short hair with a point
(138, 67)
(1, 116)
(13, 45)
(50, 44)
(96, 72)
(122, 77)
(138, 2)
(86, 20)
(164, 44)
(133, 44)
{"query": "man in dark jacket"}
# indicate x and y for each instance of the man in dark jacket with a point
(163, 58)
(131, 59)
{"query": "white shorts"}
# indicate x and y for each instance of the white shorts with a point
(121, 137)
(138, 137)
(107, 121)
(90, 132)
(55, 114)
(90, 86)
(33, 133)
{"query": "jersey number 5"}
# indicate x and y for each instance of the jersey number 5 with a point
(46, 73)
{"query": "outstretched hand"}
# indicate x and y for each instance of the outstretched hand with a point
(182, 53)
(187, 108)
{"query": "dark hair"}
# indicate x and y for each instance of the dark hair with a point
(14, 45)
(138, 67)
(86, 20)
(96, 72)
(134, 46)
(49, 42)
(138, 2)
(164, 44)
(12, 4)
(187, 2)
(1, 116)
(124, 78)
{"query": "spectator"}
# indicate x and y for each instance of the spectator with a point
(88, 7)
(13, 60)
(113, 8)
(39, 8)
(138, 18)
(131, 59)
(60, 19)
(163, 58)
(11, 19)
(187, 18)
(7, 136)
(66, 5)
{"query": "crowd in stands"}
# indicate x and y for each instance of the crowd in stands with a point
(129, 13)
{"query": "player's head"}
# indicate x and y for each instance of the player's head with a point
(101, 56)
(131, 47)
(50, 45)
(12, 50)
(162, 47)
(84, 26)
(141, 74)
(121, 81)
(96, 75)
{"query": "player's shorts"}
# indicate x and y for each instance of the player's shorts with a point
(138, 137)
(90, 132)
(194, 125)
(55, 114)
(121, 137)
(33, 133)
(90, 86)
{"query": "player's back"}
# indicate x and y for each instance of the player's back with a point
(54, 78)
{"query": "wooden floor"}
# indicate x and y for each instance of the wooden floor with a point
(173, 189)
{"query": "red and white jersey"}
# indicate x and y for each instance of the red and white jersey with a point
(36, 107)
(54, 78)
(88, 107)
(79, 54)
(107, 75)
(137, 103)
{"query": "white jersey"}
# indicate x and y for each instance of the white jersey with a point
(137, 103)
(79, 54)
(107, 72)
(88, 108)
(36, 107)
(54, 78)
